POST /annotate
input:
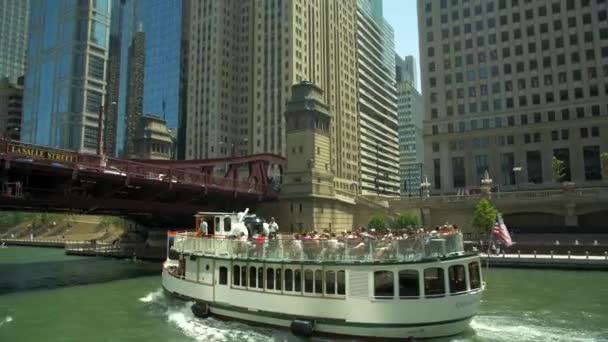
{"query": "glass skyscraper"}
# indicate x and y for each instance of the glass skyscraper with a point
(65, 80)
(161, 23)
(14, 17)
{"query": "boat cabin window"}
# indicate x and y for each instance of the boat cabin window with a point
(330, 282)
(216, 225)
(458, 279)
(318, 281)
(270, 278)
(434, 284)
(474, 275)
(278, 278)
(409, 286)
(227, 224)
(244, 276)
(288, 280)
(260, 278)
(252, 276)
(308, 281)
(223, 275)
(341, 282)
(384, 287)
(297, 281)
(236, 275)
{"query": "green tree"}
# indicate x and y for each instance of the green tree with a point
(406, 219)
(484, 217)
(377, 221)
(604, 161)
(559, 169)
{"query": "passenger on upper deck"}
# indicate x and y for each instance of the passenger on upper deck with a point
(204, 228)
(273, 227)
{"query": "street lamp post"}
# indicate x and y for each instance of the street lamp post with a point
(516, 171)
(425, 187)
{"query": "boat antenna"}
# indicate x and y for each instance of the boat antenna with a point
(243, 216)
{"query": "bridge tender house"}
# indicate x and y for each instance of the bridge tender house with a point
(40, 153)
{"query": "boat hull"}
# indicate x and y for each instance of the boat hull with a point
(193, 291)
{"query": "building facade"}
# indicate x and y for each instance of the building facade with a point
(411, 145)
(508, 85)
(65, 81)
(11, 105)
(244, 56)
(160, 21)
(14, 21)
(377, 101)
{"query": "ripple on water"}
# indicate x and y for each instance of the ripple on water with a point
(505, 328)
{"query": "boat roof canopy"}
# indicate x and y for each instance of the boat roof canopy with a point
(213, 213)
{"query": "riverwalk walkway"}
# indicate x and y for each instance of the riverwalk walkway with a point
(37, 242)
(550, 261)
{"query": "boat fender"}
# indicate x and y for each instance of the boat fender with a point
(200, 310)
(302, 328)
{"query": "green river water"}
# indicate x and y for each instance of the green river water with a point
(48, 296)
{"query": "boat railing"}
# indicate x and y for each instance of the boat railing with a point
(322, 250)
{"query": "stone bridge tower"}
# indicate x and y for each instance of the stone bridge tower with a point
(308, 196)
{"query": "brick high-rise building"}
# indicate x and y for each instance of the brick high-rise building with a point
(244, 56)
(135, 91)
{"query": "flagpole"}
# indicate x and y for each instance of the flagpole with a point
(488, 252)
(490, 240)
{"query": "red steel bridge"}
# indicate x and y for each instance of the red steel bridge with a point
(42, 178)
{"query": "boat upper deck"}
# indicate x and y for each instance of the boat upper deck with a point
(410, 249)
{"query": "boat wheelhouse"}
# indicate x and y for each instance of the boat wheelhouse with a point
(419, 286)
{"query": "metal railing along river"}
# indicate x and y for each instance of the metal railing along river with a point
(322, 250)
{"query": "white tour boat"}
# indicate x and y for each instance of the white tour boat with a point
(414, 287)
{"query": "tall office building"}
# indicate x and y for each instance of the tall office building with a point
(508, 85)
(161, 24)
(65, 81)
(411, 145)
(243, 57)
(14, 20)
(405, 70)
(377, 101)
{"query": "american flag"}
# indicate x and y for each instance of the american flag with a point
(501, 232)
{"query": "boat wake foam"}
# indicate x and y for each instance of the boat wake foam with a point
(505, 328)
(152, 296)
(211, 329)
(6, 320)
(178, 313)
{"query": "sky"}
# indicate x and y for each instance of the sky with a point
(402, 16)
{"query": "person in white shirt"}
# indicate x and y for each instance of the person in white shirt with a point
(273, 228)
(204, 227)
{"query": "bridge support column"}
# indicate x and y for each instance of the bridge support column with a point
(426, 216)
(571, 218)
